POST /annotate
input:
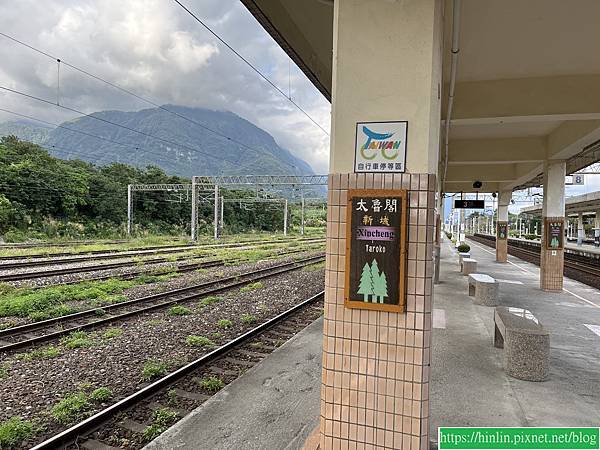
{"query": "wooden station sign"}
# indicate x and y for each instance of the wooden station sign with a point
(376, 250)
(554, 234)
(502, 232)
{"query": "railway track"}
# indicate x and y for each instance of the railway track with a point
(50, 329)
(575, 266)
(146, 252)
(105, 428)
(59, 244)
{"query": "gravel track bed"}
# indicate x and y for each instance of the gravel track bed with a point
(182, 280)
(31, 387)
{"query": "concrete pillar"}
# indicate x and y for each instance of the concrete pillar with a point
(216, 213)
(285, 217)
(597, 229)
(194, 225)
(553, 212)
(502, 226)
(580, 230)
(376, 364)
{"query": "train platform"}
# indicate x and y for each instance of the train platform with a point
(276, 404)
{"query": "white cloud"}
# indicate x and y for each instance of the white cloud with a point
(157, 50)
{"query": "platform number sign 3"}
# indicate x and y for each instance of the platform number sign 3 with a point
(375, 249)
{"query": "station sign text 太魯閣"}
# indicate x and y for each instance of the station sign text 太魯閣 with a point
(375, 249)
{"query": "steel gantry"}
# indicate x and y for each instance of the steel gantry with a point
(210, 186)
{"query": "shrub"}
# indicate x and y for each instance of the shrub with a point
(179, 310)
(198, 341)
(14, 431)
(224, 323)
(463, 248)
(153, 369)
(161, 420)
(207, 301)
(212, 384)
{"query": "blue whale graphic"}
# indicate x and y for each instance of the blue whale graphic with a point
(377, 136)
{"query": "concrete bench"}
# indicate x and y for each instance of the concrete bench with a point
(468, 266)
(461, 256)
(525, 341)
(484, 288)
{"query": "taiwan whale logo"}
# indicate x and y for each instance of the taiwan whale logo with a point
(379, 141)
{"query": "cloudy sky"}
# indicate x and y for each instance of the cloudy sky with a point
(154, 48)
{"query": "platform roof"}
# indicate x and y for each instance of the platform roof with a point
(586, 203)
(527, 85)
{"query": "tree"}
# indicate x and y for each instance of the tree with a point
(366, 283)
(380, 286)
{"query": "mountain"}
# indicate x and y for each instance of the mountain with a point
(181, 147)
(28, 131)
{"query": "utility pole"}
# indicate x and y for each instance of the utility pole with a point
(129, 210)
(285, 217)
(302, 215)
(194, 226)
(216, 217)
(221, 221)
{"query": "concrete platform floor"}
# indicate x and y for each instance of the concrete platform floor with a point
(276, 404)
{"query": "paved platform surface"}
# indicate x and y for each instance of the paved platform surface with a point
(275, 405)
(468, 384)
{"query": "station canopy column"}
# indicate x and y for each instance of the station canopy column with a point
(597, 229)
(580, 229)
(553, 227)
(386, 69)
(502, 226)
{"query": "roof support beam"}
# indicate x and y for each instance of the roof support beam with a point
(497, 151)
(574, 97)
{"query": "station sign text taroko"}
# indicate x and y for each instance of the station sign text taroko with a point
(380, 147)
(375, 250)
(555, 234)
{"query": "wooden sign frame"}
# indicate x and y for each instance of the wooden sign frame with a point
(547, 223)
(402, 194)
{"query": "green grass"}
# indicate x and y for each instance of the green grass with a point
(155, 322)
(224, 323)
(71, 408)
(248, 318)
(314, 267)
(101, 394)
(50, 302)
(198, 341)
(212, 384)
(112, 333)
(77, 339)
(172, 397)
(4, 372)
(153, 369)
(211, 299)
(252, 287)
(77, 406)
(14, 431)
(179, 310)
(161, 420)
(48, 352)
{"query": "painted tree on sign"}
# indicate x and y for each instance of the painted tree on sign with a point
(365, 286)
(380, 286)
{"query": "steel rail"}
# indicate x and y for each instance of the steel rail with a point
(205, 289)
(90, 424)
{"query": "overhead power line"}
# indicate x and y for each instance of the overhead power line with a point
(252, 66)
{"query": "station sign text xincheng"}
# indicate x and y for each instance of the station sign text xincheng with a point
(380, 147)
(375, 253)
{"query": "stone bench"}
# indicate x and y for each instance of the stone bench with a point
(484, 288)
(461, 256)
(468, 266)
(525, 341)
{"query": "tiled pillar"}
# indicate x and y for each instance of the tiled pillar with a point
(553, 210)
(386, 67)
(502, 223)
